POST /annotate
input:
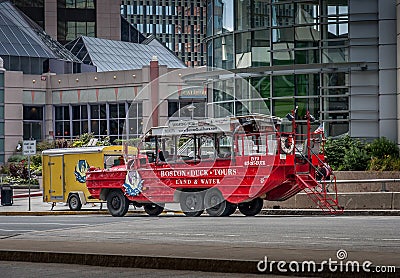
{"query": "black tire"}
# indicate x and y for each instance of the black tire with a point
(252, 207)
(74, 202)
(214, 202)
(153, 209)
(192, 203)
(230, 209)
(117, 203)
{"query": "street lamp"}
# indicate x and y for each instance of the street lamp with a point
(191, 108)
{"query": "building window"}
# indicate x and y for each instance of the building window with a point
(98, 119)
(82, 21)
(62, 122)
(33, 122)
(135, 120)
(190, 109)
(79, 120)
(108, 119)
(79, 4)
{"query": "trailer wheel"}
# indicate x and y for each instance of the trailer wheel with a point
(214, 202)
(153, 209)
(192, 203)
(251, 208)
(74, 202)
(117, 203)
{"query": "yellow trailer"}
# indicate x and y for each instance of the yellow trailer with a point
(64, 172)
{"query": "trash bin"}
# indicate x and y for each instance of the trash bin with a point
(6, 195)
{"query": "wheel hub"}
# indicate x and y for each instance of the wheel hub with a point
(191, 202)
(115, 203)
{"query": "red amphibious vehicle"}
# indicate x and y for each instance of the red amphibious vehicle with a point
(219, 165)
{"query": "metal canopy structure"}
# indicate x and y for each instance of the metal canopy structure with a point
(22, 37)
(110, 55)
(24, 45)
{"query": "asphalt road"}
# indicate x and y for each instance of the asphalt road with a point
(373, 233)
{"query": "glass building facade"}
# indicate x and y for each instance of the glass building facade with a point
(292, 52)
(180, 25)
(74, 17)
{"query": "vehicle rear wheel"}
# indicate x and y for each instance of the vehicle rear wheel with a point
(214, 202)
(252, 207)
(192, 203)
(230, 209)
(74, 202)
(117, 203)
(153, 209)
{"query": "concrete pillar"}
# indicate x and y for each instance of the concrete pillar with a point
(387, 47)
(50, 15)
(154, 74)
(48, 109)
(2, 71)
(398, 68)
(108, 20)
(13, 111)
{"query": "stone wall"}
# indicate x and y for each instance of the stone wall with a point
(367, 186)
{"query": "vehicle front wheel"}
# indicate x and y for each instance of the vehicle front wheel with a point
(252, 207)
(74, 202)
(153, 209)
(117, 203)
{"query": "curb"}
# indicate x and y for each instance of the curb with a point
(26, 195)
(175, 263)
(311, 212)
(82, 212)
(271, 212)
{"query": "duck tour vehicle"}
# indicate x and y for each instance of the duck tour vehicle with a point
(219, 165)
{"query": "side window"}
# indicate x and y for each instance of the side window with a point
(113, 160)
(207, 147)
(248, 145)
(225, 146)
(186, 147)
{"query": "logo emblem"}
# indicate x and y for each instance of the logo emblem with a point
(133, 183)
(80, 170)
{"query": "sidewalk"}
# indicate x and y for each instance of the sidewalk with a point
(38, 207)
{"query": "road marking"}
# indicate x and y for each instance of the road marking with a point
(337, 238)
(4, 230)
(105, 232)
(43, 224)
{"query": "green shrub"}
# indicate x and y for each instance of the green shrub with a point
(387, 163)
(84, 139)
(131, 142)
(36, 160)
(336, 149)
(355, 159)
(45, 145)
(17, 158)
(382, 147)
(105, 141)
